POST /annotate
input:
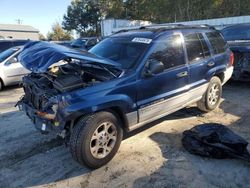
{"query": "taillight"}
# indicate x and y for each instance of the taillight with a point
(231, 62)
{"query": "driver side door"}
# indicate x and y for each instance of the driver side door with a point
(167, 91)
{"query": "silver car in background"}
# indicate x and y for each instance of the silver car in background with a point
(11, 71)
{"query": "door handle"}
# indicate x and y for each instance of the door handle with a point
(210, 64)
(182, 74)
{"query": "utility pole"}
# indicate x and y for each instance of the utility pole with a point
(126, 9)
(19, 21)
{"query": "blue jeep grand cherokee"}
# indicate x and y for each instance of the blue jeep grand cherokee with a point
(124, 82)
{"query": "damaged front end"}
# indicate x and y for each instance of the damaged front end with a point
(56, 72)
(241, 66)
(40, 103)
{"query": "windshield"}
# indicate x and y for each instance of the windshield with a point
(7, 53)
(121, 50)
(237, 33)
(79, 42)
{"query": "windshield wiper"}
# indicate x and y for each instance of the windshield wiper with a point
(103, 67)
(109, 71)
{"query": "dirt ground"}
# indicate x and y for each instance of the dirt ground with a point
(149, 157)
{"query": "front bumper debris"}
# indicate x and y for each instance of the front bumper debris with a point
(43, 122)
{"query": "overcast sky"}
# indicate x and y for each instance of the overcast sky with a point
(40, 14)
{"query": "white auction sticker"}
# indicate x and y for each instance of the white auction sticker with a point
(142, 40)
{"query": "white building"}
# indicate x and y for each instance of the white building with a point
(220, 23)
(18, 31)
(110, 26)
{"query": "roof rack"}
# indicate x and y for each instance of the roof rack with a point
(176, 26)
(163, 27)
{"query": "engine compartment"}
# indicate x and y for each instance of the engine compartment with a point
(40, 87)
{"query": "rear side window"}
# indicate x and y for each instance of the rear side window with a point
(169, 51)
(196, 47)
(217, 42)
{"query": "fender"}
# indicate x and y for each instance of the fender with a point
(74, 111)
(216, 70)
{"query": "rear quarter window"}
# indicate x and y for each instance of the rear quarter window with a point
(217, 42)
(197, 48)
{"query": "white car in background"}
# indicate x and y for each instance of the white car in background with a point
(11, 71)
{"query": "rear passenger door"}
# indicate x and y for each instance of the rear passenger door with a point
(219, 48)
(166, 91)
(200, 62)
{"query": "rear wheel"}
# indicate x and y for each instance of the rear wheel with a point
(95, 139)
(211, 99)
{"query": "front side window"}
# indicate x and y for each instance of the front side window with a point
(197, 48)
(217, 42)
(169, 51)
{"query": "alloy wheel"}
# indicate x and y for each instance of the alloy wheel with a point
(103, 140)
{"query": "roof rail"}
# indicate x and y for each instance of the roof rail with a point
(122, 30)
(177, 26)
(162, 27)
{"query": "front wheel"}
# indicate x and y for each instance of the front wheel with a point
(96, 138)
(211, 99)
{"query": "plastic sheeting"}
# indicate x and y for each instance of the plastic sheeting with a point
(216, 141)
(38, 56)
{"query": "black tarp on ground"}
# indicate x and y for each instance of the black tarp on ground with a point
(216, 141)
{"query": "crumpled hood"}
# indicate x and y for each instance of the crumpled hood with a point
(38, 56)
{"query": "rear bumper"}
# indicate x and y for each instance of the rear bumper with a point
(228, 74)
(42, 124)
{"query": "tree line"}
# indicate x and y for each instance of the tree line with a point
(84, 16)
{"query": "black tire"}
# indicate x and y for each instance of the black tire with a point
(1, 84)
(205, 104)
(83, 133)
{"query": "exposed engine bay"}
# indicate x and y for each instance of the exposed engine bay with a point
(40, 88)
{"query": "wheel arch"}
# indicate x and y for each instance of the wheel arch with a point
(116, 110)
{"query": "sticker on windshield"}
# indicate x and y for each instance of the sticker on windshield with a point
(142, 40)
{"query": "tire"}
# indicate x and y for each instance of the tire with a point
(93, 145)
(211, 99)
(1, 84)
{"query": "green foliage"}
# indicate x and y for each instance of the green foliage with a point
(84, 15)
(58, 34)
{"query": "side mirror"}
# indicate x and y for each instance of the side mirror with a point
(14, 59)
(10, 61)
(154, 67)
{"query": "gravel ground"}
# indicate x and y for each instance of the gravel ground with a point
(149, 157)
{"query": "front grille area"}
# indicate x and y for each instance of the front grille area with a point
(35, 94)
